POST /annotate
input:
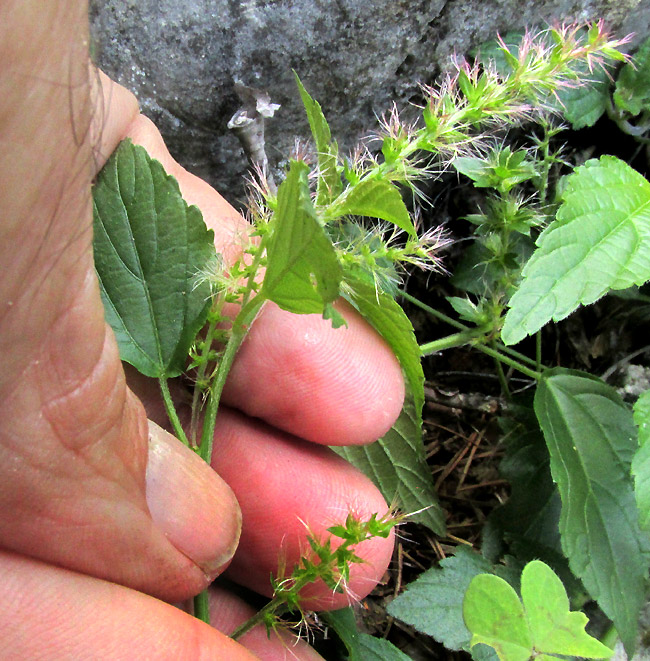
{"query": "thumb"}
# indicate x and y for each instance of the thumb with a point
(136, 508)
(190, 503)
(86, 484)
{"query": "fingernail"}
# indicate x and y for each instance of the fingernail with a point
(190, 503)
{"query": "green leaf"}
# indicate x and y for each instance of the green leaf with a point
(493, 51)
(479, 273)
(361, 646)
(641, 461)
(329, 171)
(469, 311)
(433, 603)
(584, 104)
(470, 166)
(374, 198)
(554, 628)
(633, 84)
(501, 169)
(528, 525)
(600, 241)
(378, 649)
(495, 616)
(542, 625)
(591, 439)
(149, 248)
(390, 321)
(530, 516)
(396, 464)
(303, 273)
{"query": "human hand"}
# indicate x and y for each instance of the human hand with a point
(99, 510)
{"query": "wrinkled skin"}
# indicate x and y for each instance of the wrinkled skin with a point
(105, 519)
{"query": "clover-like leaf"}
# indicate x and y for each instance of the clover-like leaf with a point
(554, 628)
(542, 625)
(495, 616)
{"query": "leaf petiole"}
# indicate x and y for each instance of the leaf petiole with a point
(171, 411)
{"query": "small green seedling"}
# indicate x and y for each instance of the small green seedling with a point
(537, 626)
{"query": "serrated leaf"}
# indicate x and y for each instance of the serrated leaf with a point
(374, 198)
(361, 646)
(542, 625)
(396, 464)
(390, 321)
(149, 247)
(303, 273)
(633, 83)
(495, 616)
(329, 172)
(433, 603)
(591, 440)
(600, 241)
(641, 461)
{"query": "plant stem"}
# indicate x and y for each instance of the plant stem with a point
(502, 377)
(547, 160)
(449, 342)
(456, 324)
(202, 607)
(498, 355)
(171, 411)
(458, 339)
(275, 607)
(237, 334)
(202, 370)
(538, 350)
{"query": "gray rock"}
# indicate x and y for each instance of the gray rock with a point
(182, 59)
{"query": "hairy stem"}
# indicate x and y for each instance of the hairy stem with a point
(275, 607)
(239, 330)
